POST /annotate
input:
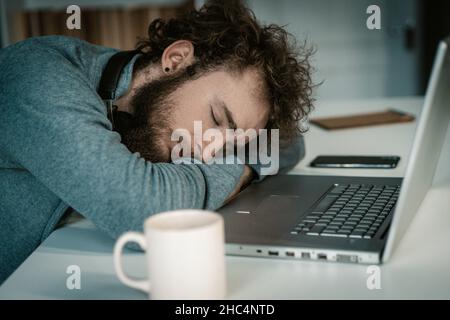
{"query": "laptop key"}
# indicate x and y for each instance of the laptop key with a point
(338, 189)
(312, 217)
(338, 235)
(356, 235)
(325, 203)
(343, 214)
(321, 224)
(316, 230)
(365, 204)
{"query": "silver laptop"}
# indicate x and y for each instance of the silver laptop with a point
(343, 219)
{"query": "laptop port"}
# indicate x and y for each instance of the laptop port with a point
(306, 255)
(259, 251)
(321, 256)
(273, 253)
(290, 254)
(347, 258)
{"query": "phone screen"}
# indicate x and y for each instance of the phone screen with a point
(382, 162)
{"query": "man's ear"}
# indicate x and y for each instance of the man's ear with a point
(179, 55)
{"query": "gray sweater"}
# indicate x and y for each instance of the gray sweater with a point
(57, 150)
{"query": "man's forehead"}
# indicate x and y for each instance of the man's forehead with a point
(245, 116)
(241, 96)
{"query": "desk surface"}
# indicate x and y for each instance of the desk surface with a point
(420, 268)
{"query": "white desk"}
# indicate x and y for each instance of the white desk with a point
(420, 268)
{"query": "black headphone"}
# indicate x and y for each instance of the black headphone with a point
(109, 81)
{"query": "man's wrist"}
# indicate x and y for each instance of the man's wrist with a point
(248, 175)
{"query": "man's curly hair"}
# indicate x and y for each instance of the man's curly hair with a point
(227, 34)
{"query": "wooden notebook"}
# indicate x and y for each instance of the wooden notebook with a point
(362, 120)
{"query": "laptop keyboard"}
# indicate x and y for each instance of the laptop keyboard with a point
(349, 211)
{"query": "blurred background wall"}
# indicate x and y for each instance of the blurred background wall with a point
(111, 23)
(351, 60)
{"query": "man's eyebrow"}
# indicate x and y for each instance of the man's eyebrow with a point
(228, 115)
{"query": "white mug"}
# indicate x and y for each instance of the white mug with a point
(185, 255)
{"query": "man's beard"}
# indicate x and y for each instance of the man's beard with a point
(151, 125)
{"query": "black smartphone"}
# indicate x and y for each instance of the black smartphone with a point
(355, 162)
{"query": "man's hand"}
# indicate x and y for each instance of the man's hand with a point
(245, 179)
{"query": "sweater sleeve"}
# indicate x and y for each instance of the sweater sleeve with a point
(59, 132)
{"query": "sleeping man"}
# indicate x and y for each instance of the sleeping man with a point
(216, 66)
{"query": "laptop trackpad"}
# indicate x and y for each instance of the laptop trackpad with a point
(280, 212)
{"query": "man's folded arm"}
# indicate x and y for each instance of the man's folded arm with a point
(79, 159)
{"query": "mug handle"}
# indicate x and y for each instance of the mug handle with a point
(139, 238)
